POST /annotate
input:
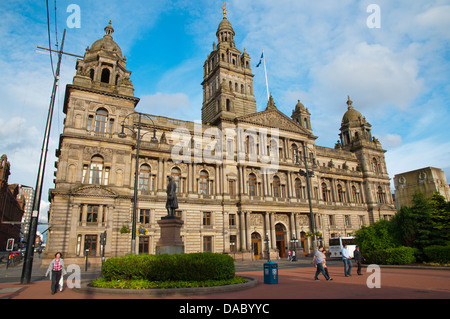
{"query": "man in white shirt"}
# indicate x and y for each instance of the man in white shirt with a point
(347, 262)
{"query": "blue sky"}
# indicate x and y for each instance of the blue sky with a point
(319, 52)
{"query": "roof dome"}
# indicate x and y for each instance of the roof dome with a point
(225, 25)
(107, 43)
(352, 115)
(299, 107)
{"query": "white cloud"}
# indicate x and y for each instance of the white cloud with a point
(418, 154)
(371, 74)
(175, 105)
(390, 140)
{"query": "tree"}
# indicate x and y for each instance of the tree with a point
(440, 218)
(376, 236)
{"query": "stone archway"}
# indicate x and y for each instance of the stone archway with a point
(256, 245)
(280, 235)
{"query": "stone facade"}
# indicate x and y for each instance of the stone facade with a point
(427, 180)
(237, 172)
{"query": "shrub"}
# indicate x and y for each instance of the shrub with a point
(181, 267)
(392, 256)
(439, 254)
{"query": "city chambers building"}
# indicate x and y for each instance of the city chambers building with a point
(242, 176)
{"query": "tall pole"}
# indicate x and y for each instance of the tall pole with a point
(308, 187)
(28, 262)
(265, 73)
(135, 200)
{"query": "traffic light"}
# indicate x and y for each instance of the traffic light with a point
(10, 244)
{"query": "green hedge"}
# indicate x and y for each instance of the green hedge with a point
(180, 267)
(392, 256)
(439, 254)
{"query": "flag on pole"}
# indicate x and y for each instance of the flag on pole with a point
(260, 60)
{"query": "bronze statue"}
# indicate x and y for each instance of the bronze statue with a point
(172, 202)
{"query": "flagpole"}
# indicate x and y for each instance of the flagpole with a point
(265, 72)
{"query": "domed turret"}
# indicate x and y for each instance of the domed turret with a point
(302, 116)
(103, 67)
(352, 117)
(355, 130)
(106, 43)
(225, 32)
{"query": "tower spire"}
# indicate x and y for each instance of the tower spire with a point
(224, 10)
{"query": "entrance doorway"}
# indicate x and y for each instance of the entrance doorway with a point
(256, 245)
(280, 234)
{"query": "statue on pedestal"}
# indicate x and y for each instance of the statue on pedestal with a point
(172, 202)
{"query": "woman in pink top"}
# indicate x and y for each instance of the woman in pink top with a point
(55, 269)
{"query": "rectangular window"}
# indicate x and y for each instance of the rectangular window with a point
(144, 216)
(206, 219)
(331, 220)
(348, 220)
(207, 244)
(92, 213)
(232, 220)
(231, 188)
(144, 244)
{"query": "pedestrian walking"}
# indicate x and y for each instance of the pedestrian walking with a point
(293, 256)
(56, 270)
(318, 262)
(359, 258)
(325, 268)
(347, 262)
(289, 255)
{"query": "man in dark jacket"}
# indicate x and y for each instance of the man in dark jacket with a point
(358, 259)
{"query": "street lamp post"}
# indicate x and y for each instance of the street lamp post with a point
(122, 134)
(307, 173)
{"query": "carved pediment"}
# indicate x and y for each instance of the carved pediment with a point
(274, 119)
(94, 191)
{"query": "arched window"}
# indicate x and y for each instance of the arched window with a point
(294, 150)
(252, 185)
(324, 192)
(249, 144)
(144, 177)
(105, 75)
(381, 196)
(203, 183)
(276, 186)
(375, 165)
(355, 194)
(340, 193)
(176, 174)
(96, 170)
(298, 188)
(228, 105)
(101, 120)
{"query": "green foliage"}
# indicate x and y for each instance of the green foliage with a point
(436, 253)
(376, 236)
(425, 223)
(181, 267)
(146, 284)
(392, 256)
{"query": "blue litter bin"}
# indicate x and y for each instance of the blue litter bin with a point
(270, 273)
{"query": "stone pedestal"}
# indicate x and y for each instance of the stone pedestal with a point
(170, 241)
